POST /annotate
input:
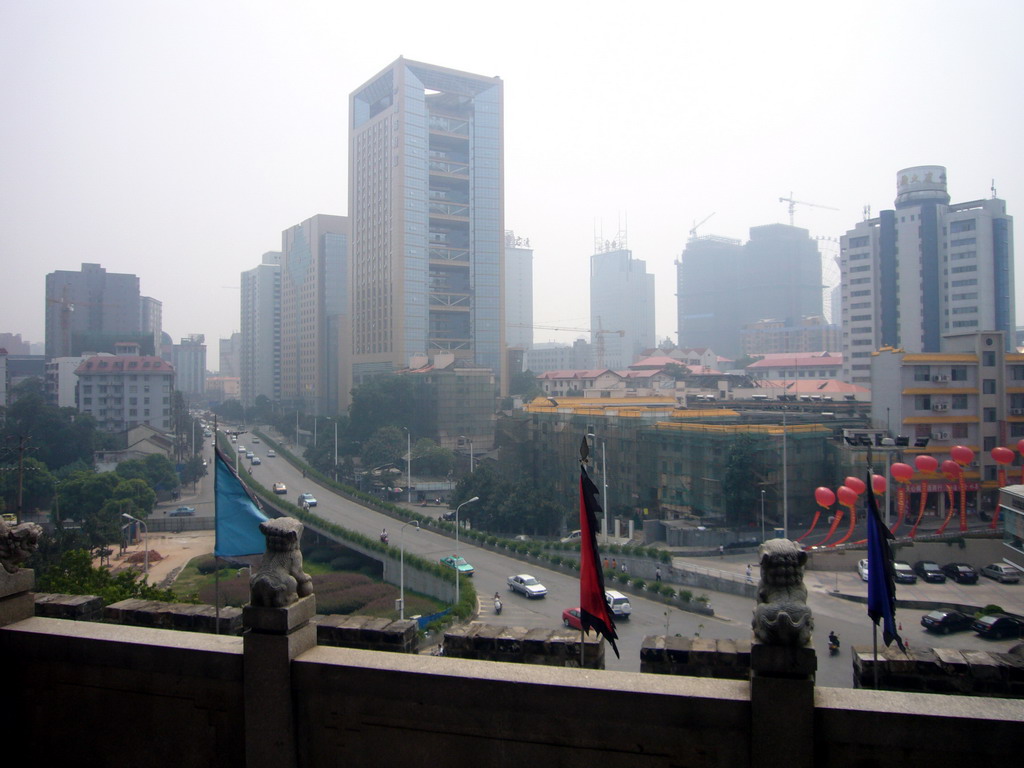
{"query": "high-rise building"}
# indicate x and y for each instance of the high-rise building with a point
(621, 305)
(230, 352)
(151, 320)
(314, 315)
(92, 310)
(260, 354)
(426, 205)
(723, 285)
(190, 365)
(518, 292)
(925, 270)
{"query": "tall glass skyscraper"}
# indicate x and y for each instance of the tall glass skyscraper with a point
(427, 215)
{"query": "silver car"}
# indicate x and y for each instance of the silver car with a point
(526, 585)
(1004, 574)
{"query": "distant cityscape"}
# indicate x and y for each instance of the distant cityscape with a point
(422, 275)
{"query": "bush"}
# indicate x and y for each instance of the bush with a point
(686, 595)
(206, 564)
(990, 609)
(639, 583)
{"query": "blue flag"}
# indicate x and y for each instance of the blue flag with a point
(237, 514)
(881, 581)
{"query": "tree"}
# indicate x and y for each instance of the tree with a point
(54, 436)
(525, 384)
(395, 401)
(193, 470)
(509, 503)
(155, 469)
(37, 489)
(74, 574)
(739, 487)
(386, 446)
(231, 411)
(430, 459)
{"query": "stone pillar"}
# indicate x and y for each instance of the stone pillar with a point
(782, 706)
(273, 638)
(17, 600)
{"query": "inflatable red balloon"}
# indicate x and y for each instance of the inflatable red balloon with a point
(951, 469)
(878, 484)
(847, 496)
(855, 484)
(961, 454)
(1020, 446)
(926, 463)
(824, 496)
(902, 472)
(1002, 455)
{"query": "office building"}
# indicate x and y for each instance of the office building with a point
(925, 270)
(260, 352)
(724, 285)
(151, 320)
(125, 390)
(806, 334)
(315, 330)
(230, 350)
(426, 207)
(621, 305)
(61, 382)
(91, 311)
(518, 292)
(190, 366)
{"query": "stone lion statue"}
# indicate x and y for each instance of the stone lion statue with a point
(280, 580)
(17, 543)
(782, 616)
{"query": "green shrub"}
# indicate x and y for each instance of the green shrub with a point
(686, 595)
(990, 609)
(639, 583)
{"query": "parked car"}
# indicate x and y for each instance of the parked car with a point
(307, 500)
(571, 618)
(945, 622)
(526, 585)
(929, 571)
(997, 625)
(458, 563)
(271, 454)
(280, 488)
(862, 569)
(182, 511)
(618, 604)
(1001, 572)
(256, 460)
(903, 573)
(961, 573)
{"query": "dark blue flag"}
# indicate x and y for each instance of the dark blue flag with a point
(237, 513)
(881, 581)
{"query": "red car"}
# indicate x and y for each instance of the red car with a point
(571, 618)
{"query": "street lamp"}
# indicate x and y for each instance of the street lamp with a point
(145, 534)
(604, 485)
(467, 501)
(401, 569)
(470, 441)
(408, 464)
(762, 514)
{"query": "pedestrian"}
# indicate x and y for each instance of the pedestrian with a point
(721, 551)
(624, 567)
(657, 573)
(749, 577)
(615, 566)
(606, 563)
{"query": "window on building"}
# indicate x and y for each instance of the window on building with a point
(966, 225)
(959, 402)
(989, 415)
(922, 373)
(988, 358)
(923, 402)
(958, 373)
(988, 442)
(988, 386)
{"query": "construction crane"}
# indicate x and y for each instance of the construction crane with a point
(794, 203)
(599, 335)
(693, 229)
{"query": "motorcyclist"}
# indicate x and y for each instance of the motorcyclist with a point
(497, 603)
(833, 639)
(384, 534)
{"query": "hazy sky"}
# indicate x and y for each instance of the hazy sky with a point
(176, 140)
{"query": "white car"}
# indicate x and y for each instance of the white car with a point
(271, 454)
(526, 585)
(618, 604)
(862, 569)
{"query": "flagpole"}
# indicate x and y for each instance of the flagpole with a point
(874, 640)
(216, 564)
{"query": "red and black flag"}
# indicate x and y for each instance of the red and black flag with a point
(881, 578)
(594, 613)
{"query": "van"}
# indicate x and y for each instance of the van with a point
(618, 604)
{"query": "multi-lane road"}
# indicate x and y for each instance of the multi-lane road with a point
(649, 617)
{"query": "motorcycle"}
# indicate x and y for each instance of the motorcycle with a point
(497, 606)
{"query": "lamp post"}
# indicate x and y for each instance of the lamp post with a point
(604, 485)
(408, 464)
(145, 540)
(467, 501)
(762, 515)
(401, 568)
(470, 441)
